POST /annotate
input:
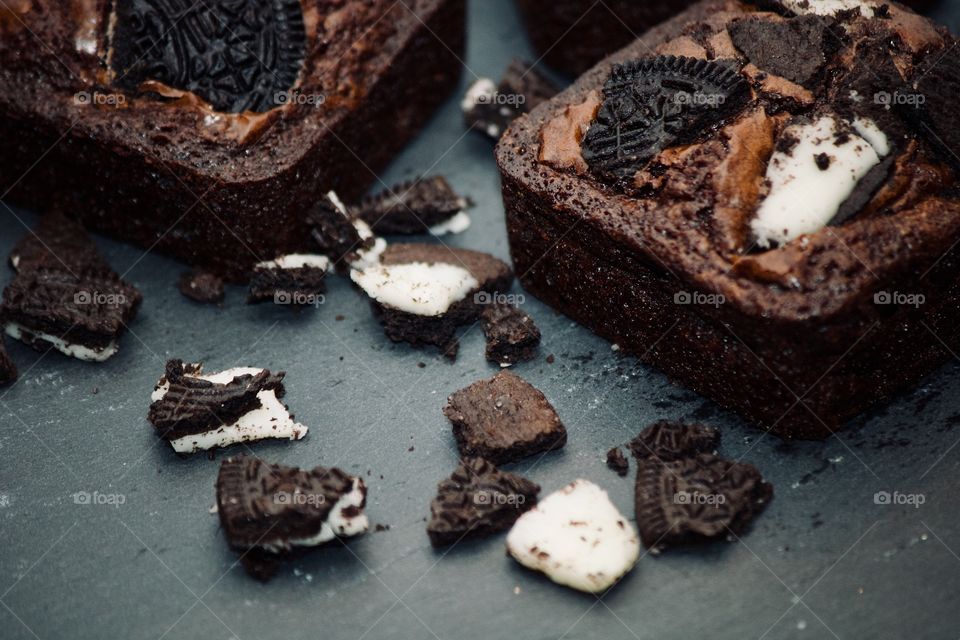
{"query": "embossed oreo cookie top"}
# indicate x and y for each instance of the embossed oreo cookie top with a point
(238, 55)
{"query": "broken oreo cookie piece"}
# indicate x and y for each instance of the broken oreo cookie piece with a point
(577, 537)
(616, 461)
(274, 510)
(8, 370)
(420, 206)
(238, 55)
(296, 280)
(795, 49)
(202, 286)
(667, 441)
(504, 419)
(64, 294)
(478, 500)
(346, 241)
(654, 103)
(512, 336)
(195, 412)
(490, 108)
(421, 293)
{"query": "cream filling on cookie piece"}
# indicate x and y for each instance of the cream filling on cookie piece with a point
(458, 223)
(345, 520)
(365, 257)
(297, 261)
(270, 420)
(829, 7)
(577, 537)
(417, 287)
(78, 351)
(810, 181)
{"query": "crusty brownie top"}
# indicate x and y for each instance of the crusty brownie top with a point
(823, 167)
(57, 62)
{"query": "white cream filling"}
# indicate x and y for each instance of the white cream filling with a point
(829, 7)
(365, 257)
(803, 197)
(297, 261)
(577, 537)
(270, 420)
(417, 287)
(78, 351)
(337, 525)
(458, 223)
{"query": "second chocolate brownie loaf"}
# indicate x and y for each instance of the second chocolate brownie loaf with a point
(761, 202)
(208, 130)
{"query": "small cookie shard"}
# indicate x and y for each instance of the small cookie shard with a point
(504, 419)
(202, 286)
(347, 242)
(512, 336)
(795, 49)
(64, 295)
(275, 509)
(616, 461)
(698, 498)
(298, 280)
(420, 206)
(8, 370)
(421, 293)
(666, 441)
(195, 412)
(478, 500)
(490, 108)
(577, 537)
(238, 55)
(654, 103)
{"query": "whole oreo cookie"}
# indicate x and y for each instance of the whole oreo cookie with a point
(238, 55)
(654, 103)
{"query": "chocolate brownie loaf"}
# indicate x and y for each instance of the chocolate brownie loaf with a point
(759, 201)
(208, 130)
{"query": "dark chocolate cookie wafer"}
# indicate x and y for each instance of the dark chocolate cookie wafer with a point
(336, 234)
(504, 419)
(202, 286)
(667, 441)
(64, 295)
(295, 280)
(478, 500)
(411, 207)
(616, 461)
(795, 49)
(512, 336)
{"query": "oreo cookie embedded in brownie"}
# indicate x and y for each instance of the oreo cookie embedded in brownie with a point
(780, 226)
(478, 500)
(194, 411)
(504, 419)
(254, 107)
(425, 205)
(421, 293)
(64, 295)
(270, 509)
(512, 336)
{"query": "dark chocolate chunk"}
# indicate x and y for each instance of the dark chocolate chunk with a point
(866, 189)
(512, 336)
(795, 49)
(478, 500)
(411, 207)
(697, 498)
(491, 109)
(617, 461)
(668, 441)
(335, 232)
(238, 55)
(202, 286)
(192, 405)
(654, 103)
(65, 290)
(822, 160)
(504, 419)
(270, 508)
(289, 281)
(8, 370)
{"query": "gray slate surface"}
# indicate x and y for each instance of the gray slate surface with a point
(824, 561)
